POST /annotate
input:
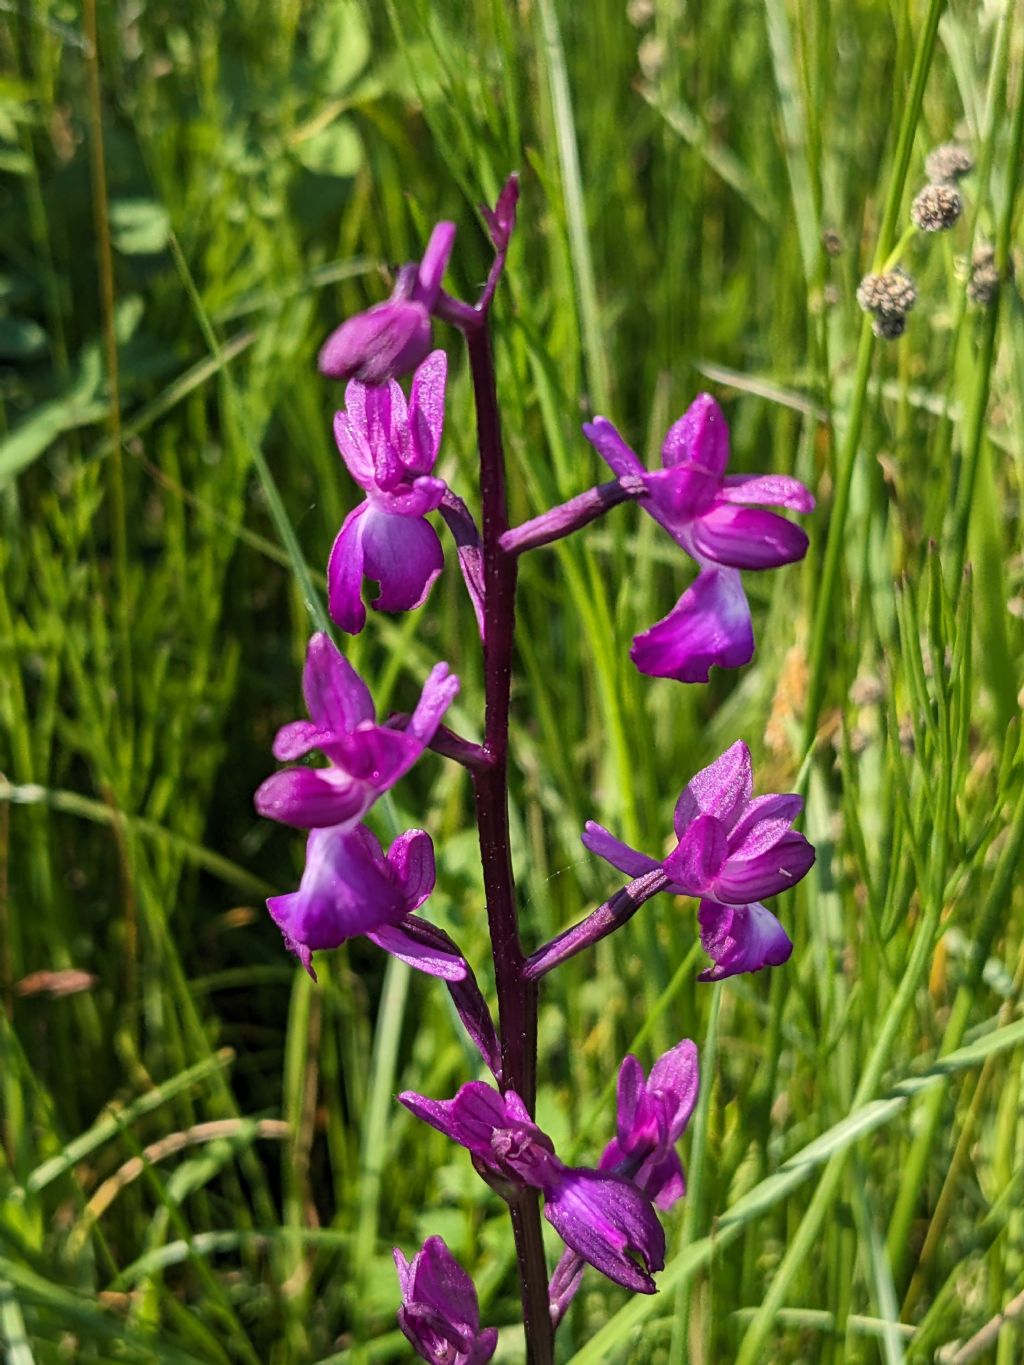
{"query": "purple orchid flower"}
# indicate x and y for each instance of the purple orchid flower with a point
(439, 1313)
(390, 447)
(350, 887)
(603, 1217)
(651, 1118)
(366, 759)
(732, 849)
(391, 338)
(717, 519)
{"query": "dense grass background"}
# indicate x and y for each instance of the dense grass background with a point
(201, 1157)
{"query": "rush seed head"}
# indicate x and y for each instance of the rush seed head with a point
(984, 278)
(889, 296)
(948, 163)
(936, 208)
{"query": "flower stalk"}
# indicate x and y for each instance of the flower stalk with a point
(517, 995)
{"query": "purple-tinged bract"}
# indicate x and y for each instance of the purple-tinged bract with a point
(603, 1217)
(366, 759)
(391, 338)
(439, 1313)
(718, 519)
(732, 849)
(390, 448)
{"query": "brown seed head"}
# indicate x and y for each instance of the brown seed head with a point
(946, 164)
(936, 208)
(891, 295)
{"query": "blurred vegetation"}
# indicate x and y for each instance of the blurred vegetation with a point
(201, 1159)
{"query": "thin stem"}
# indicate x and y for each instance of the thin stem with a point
(597, 925)
(571, 516)
(517, 997)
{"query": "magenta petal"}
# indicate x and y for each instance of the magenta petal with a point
(396, 940)
(423, 495)
(343, 892)
(676, 1074)
(747, 538)
(767, 490)
(763, 823)
(336, 696)
(701, 436)
(353, 447)
(628, 1094)
(434, 263)
(298, 738)
(345, 573)
(682, 493)
(598, 840)
(411, 859)
(662, 1180)
(377, 755)
(469, 1119)
(777, 869)
(698, 856)
(426, 412)
(436, 1279)
(740, 938)
(710, 624)
(722, 789)
(439, 691)
(611, 447)
(404, 555)
(312, 798)
(610, 1224)
(388, 340)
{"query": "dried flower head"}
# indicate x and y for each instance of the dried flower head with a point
(948, 163)
(890, 295)
(984, 278)
(831, 241)
(936, 208)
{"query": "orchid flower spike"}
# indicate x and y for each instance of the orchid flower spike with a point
(439, 1313)
(717, 519)
(391, 338)
(732, 849)
(603, 1217)
(366, 759)
(390, 448)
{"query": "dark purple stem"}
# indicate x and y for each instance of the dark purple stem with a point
(572, 515)
(517, 997)
(597, 925)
